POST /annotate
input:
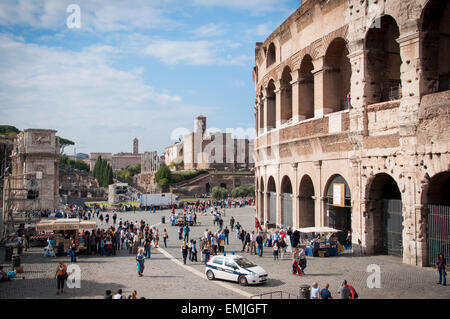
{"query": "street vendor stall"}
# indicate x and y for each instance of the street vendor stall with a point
(66, 230)
(324, 246)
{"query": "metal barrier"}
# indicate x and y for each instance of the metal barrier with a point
(275, 295)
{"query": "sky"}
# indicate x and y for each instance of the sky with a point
(103, 72)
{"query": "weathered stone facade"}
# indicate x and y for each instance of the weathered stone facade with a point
(34, 181)
(80, 184)
(150, 162)
(352, 108)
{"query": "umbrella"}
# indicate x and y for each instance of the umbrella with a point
(320, 229)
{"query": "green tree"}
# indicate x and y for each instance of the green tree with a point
(219, 192)
(63, 142)
(163, 173)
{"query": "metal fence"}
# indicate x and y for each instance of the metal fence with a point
(438, 232)
(393, 227)
(273, 207)
(275, 295)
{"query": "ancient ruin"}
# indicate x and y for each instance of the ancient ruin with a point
(352, 108)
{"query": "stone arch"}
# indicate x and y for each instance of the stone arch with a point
(306, 198)
(306, 89)
(336, 77)
(383, 60)
(261, 124)
(286, 95)
(272, 200)
(384, 209)
(271, 98)
(271, 55)
(436, 45)
(286, 201)
(436, 205)
(338, 209)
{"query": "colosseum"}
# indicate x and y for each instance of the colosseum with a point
(352, 117)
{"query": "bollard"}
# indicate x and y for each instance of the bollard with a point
(8, 253)
(305, 292)
(163, 219)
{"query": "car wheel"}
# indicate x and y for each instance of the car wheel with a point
(243, 281)
(210, 275)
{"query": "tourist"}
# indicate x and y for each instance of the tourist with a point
(186, 233)
(232, 223)
(61, 276)
(325, 292)
(108, 294)
(226, 232)
(165, 236)
(353, 293)
(295, 268)
(156, 235)
(260, 243)
(184, 251)
(194, 251)
(302, 260)
(441, 263)
(253, 243)
(275, 251)
(147, 247)
(315, 291)
(207, 252)
(140, 261)
(344, 290)
(118, 295)
(133, 295)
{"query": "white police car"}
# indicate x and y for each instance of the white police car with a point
(235, 268)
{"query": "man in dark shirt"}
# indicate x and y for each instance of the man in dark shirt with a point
(344, 290)
(325, 293)
(260, 243)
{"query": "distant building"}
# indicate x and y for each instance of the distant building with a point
(211, 150)
(118, 161)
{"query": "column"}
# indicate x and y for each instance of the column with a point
(319, 90)
(295, 189)
(319, 218)
(278, 103)
(295, 95)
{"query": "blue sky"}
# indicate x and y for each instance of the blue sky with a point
(134, 69)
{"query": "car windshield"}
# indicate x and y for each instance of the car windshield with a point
(244, 263)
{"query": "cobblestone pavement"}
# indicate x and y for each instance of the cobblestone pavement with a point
(164, 278)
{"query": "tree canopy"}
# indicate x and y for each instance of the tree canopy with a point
(67, 162)
(63, 142)
(218, 192)
(103, 172)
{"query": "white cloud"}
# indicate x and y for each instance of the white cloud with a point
(84, 98)
(99, 15)
(208, 30)
(261, 31)
(194, 52)
(256, 7)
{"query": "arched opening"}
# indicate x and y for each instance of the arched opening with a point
(306, 198)
(306, 89)
(271, 55)
(223, 185)
(436, 46)
(438, 217)
(272, 200)
(338, 206)
(336, 78)
(385, 213)
(261, 202)
(286, 202)
(286, 95)
(271, 106)
(383, 61)
(208, 188)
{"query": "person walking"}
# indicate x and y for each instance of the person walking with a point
(207, 252)
(147, 247)
(260, 244)
(194, 251)
(61, 276)
(232, 223)
(186, 233)
(441, 263)
(275, 251)
(140, 259)
(226, 232)
(165, 236)
(295, 268)
(184, 251)
(302, 260)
